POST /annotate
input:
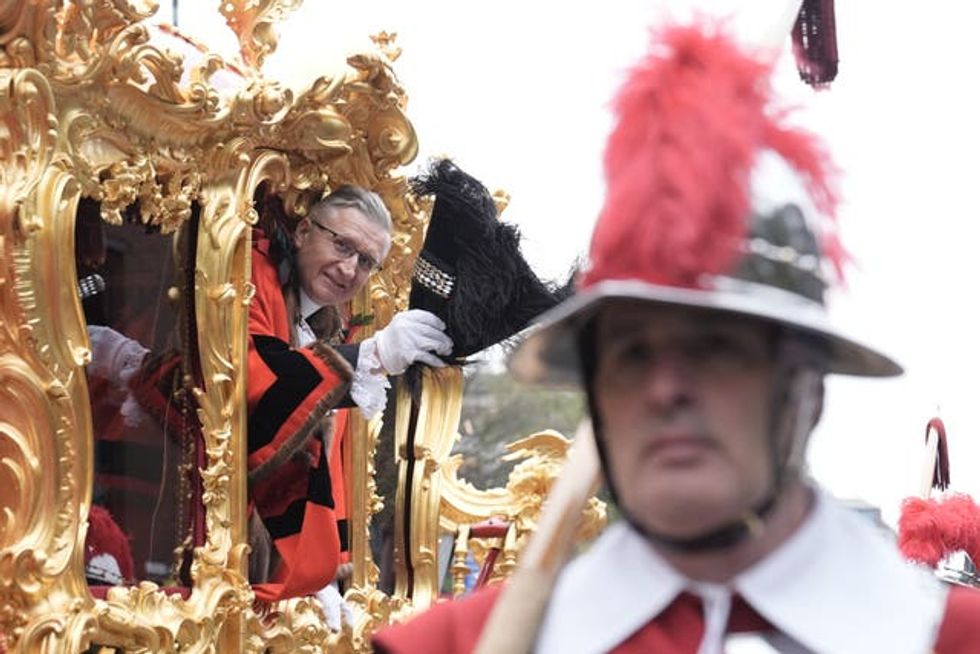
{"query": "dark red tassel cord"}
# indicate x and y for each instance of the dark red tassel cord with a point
(815, 43)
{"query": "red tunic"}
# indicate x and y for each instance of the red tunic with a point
(454, 627)
(290, 393)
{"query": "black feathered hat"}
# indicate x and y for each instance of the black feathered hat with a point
(470, 271)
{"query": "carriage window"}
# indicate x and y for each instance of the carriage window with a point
(146, 516)
(496, 412)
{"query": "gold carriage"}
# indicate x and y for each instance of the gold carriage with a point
(127, 148)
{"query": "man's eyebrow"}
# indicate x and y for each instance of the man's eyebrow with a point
(620, 323)
(626, 323)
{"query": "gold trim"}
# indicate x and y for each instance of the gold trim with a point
(541, 457)
(45, 469)
(253, 22)
(435, 432)
(92, 104)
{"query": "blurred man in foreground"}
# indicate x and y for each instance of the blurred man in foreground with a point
(701, 338)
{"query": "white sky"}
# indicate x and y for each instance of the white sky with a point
(516, 92)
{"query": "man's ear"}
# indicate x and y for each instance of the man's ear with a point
(302, 232)
(818, 411)
(804, 404)
(387, 251)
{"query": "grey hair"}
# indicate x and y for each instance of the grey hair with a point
(367, 202)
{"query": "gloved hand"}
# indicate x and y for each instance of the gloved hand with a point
(335, 609)
(414, 335)
(115, 358)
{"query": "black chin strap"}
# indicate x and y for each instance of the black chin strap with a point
(719, 538)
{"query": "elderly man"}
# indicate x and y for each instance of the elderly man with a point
(301, 368)
(700, 336)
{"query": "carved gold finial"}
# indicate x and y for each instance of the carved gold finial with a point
(386, 43)
(253, 21)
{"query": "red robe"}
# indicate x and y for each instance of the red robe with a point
(133, 462)
(290, 393)
(455, 627)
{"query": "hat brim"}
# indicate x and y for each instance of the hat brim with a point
(549, 354)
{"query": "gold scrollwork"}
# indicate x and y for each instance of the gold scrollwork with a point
(96, 103)
(541, 457)
(109, 114)
(28, 430)
(424, 435)
(253, 22)
(27, 114)
(45, 472)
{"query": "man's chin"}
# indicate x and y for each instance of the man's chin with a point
(329, 297)
(687, 515)
(687, 530)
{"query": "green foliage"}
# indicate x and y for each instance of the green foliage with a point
(498, 410)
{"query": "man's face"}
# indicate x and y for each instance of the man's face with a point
(684, 399)
(335, 248)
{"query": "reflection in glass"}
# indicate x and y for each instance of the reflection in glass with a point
(145, 517)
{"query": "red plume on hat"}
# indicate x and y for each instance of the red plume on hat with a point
(692, 119)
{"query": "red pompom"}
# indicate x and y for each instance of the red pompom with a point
(929, 530)
(960, 516)
(105, 537)
(920, 533)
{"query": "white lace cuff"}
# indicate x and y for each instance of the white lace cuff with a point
(115, 357)
(129, 361)
(369, 389)
(132, 412)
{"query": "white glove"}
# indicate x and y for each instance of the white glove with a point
(414, 335)
(335, 609)
(115, 358)
(369, 388)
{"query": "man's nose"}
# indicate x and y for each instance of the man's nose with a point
(348, 266)
(669, 381)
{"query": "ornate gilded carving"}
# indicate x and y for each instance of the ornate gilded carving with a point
(386, 44)
(44, 474)
(541, 457)
(425, 444)
(253, 21)
(95, 102)
(27, 114)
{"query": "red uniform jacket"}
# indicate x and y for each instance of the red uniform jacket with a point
(836, 585)
(455, 627)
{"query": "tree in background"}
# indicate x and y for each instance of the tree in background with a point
(498, 410)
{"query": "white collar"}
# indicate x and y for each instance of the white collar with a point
(607, 594)
(307, 307)
(851, 589)
(837, 586)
